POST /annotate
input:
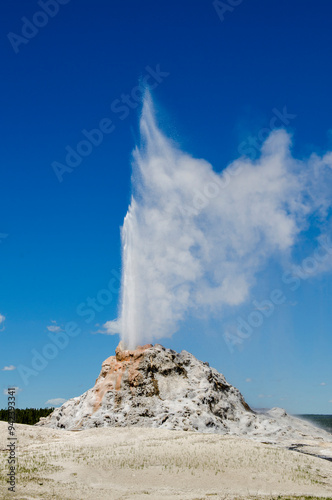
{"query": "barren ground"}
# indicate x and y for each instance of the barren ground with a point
(141, 463)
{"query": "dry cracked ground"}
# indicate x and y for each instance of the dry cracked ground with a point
(141, 463)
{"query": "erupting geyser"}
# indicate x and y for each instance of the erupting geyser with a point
(190, 245)
(193, 240)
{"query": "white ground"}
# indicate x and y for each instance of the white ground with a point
(134, 463)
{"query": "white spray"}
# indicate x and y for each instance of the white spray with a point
(193, 240)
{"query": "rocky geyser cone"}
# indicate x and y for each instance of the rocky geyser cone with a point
(152, 386)
(156, 387)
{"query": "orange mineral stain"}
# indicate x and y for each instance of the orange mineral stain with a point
(125, 362)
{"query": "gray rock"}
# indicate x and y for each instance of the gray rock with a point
(152, 386)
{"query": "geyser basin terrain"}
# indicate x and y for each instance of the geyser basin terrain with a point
(135, 463)
(152, 386)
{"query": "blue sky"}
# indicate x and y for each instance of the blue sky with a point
(216, 83)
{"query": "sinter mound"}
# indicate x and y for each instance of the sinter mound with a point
(152, 386)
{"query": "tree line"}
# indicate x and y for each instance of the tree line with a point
(28, 416)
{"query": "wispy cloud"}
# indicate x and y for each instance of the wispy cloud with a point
(8, 368)
(55, 402)
(248, 380)
(17, 390)
(322, 383)
(2, 320)
(263, 396)
(54, 327)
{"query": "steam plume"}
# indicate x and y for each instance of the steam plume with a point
(193, 240)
